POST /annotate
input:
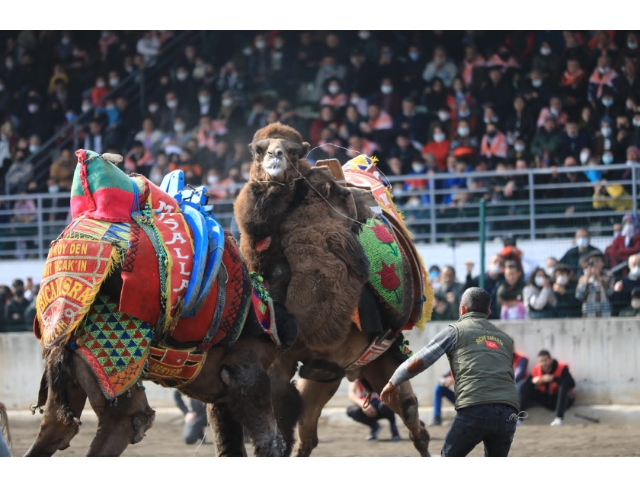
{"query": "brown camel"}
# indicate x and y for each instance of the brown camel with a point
(299, 230)
(233, 380)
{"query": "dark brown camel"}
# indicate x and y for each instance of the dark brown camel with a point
(233, 382)
(299, 230)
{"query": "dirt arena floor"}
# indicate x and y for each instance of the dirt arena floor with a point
(344, 439)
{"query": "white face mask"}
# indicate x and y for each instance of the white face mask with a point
(33, 148)
(413, 203)
(463, 131)
(261, 44)
(333, 89)
(443, 116)
(114, 81)
(603, 70)
(636, 122)
(247, 51)
(634, 272)
(536, 83)
(172, 103)
(54, 188)
(582, 242)
(584, 157)
(632, 45)
(417, 167)
(386, 89)
(227, 102)
(246, 176)
(203, 100)
(156, 177)
(539, 280)
(562, 280)
(627, 230)
(100, 84)
(495, 269)
(178, 127)
(635, 303)
(439, 137)
(354, 100)
(212, 179)
(519, 147)
(33, 108)
(86, 108)
(550, 271)
(364, 35)
(182, 76)
(545, 51)
(606, 131)
(153, 108)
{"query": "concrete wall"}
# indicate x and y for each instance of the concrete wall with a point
(602, 354)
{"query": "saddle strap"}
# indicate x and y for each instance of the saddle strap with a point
(377, 347)
(217, 314)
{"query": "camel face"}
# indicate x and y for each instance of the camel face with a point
(276, 157)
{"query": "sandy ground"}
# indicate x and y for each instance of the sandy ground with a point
(344, 439)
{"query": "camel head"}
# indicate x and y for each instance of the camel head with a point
(278, 151)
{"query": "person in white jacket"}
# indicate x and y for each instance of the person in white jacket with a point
(539, 297)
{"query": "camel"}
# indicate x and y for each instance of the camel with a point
(233, 382)
(299, 230)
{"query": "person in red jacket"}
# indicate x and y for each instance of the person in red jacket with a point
(439, 147)
(550, 385)
(624, 245)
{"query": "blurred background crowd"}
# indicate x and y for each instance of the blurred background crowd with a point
(450, 103)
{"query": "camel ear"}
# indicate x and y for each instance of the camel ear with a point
(304, 149)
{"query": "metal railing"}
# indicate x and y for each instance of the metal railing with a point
(28, 233)
(133, 87)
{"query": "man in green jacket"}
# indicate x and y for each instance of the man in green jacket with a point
(481, 359)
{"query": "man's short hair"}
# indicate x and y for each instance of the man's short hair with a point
(476, 299)
(544, 353)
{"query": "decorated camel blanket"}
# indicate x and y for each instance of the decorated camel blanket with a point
(130, 225)
(388, 244)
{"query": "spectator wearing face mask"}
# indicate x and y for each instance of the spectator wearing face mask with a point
(334, 95)
(582, 247)
(633, 310)
(602, 76)
(520, 125)
(555, 110)
(625, 244)
(494, 143)
(573, 83)
(574, 141)
(595, 287)
(493, 277)
(536, 91)
(412, 69)
(415, 124)
(440, 67)
(564, 289)
(439, 147)
(549, 63)
(539, 298)
(387, 98)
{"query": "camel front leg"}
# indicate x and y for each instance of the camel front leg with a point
(314, 396)
(378, 373)
(285, 398)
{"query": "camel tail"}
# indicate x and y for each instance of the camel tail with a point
(58, 380)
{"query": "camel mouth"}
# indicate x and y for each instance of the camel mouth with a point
(274, 166)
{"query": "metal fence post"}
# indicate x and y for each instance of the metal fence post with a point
(432, 208)
(634, 188)
(482, 240)
(532, 208)
(40, 228)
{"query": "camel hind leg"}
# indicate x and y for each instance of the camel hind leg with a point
(378, 373)
(63, 399)
(229, 436)
(119, 425)
(286, 399)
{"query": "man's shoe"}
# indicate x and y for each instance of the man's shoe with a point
(375, 431)
(395, 436)
(557, 422)
(436, 421)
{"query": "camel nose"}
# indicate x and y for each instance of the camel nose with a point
(279, 153)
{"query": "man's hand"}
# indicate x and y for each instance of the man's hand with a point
(448, 382)
(370, 411)
(618, 287)
(546, 378)
(390, 393)
(535, 380)
(190, 417)
(469, 265)
(450, 297)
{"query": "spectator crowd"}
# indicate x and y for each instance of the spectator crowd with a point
(456, 103)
